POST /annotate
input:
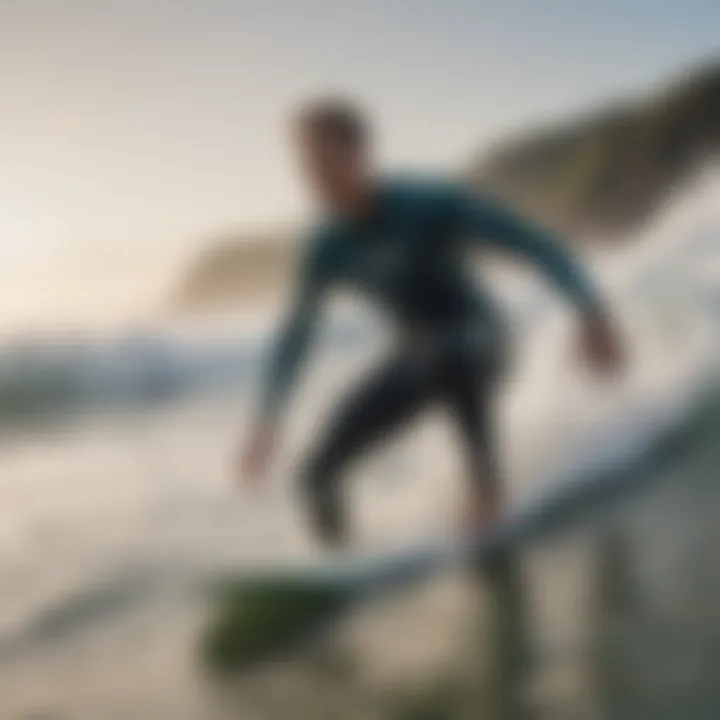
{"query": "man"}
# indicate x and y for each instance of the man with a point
(405, 244)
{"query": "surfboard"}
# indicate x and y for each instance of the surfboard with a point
(262, 611)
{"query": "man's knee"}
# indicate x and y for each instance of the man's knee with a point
(317, 473)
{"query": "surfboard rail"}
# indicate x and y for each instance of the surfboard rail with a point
(298, 601)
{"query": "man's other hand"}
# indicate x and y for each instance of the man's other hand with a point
(255, 456)
(601, 344)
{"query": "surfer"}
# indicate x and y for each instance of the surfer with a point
(405, 244)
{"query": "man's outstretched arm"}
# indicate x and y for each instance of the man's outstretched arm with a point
(496, 226)
(285, 358)
(288, 351)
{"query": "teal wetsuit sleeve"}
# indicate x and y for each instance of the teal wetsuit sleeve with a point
(496, 226)
(291, 343)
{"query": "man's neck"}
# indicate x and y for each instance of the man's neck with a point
(361, 203)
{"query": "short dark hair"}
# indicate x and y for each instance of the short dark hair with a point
(336, 116)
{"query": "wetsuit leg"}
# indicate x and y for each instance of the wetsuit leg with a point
(470, 382)
(385, 401)
(454, 369)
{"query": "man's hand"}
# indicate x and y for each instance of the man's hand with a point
(481, 508)
(256, 455)
(601, 344)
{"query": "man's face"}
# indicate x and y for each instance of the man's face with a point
(335, 168)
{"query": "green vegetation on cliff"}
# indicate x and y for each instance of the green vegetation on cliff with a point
(607, 172)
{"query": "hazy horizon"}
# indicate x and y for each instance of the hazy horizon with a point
(136, 123)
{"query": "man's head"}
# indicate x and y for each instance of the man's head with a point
(334, 142)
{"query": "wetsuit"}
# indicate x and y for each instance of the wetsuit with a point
(410, 254)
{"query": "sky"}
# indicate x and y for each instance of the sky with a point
(138, 123)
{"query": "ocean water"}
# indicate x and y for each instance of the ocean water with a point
(118, 504)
